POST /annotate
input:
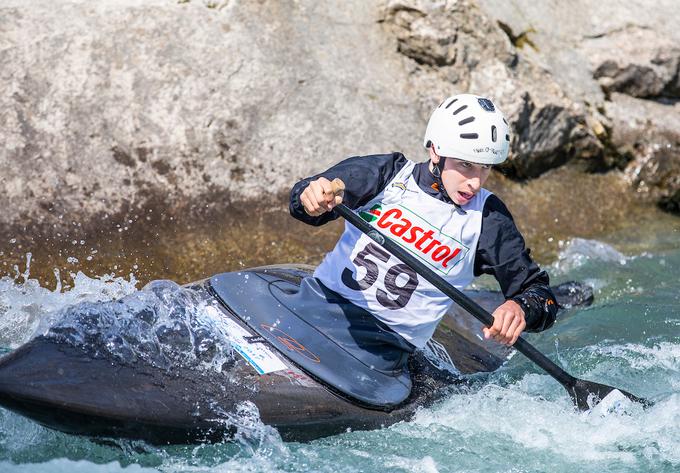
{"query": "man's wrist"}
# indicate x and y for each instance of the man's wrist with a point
(523, 303)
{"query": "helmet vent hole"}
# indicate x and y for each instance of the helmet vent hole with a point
(465, 121)
(469, 136)
(451, 103)
(507, 137)
(460, 109)
(493, 133)
(505, 121)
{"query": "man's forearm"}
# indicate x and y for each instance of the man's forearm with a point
(364, 178)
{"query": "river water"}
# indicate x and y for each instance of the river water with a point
(517, 420)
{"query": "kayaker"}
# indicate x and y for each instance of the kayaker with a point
(440, 211)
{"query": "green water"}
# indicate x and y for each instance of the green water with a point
(515, 420)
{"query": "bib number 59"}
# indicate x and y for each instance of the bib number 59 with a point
(398, 296)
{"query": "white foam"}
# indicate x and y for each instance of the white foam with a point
(63, 465)
(663, 355)
(411, 465)
(497, 416)
(613, 403)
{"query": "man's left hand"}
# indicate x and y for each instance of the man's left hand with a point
(508, 323)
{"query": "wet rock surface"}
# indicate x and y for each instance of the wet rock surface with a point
(114, 110)
(650, 132)
(185, 248)
(635, 61)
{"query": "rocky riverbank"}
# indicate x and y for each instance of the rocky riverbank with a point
(116, 109)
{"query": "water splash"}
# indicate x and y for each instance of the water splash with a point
(490, 420)
(25, 305)
(579, 251)
(164, 325)
(63, 465)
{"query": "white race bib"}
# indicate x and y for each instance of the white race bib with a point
(441, 235)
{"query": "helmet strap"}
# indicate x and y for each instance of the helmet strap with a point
(437, 171)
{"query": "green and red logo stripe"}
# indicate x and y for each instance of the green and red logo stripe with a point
(372, 214)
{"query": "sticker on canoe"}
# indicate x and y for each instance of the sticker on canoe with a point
(258, 355)
(290, 343)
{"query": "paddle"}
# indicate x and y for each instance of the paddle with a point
(584, 394)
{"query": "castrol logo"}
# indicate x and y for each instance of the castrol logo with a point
(440, 251)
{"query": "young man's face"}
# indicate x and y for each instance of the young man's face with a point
(462, 179)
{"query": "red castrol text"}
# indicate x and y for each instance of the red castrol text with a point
(422, 240)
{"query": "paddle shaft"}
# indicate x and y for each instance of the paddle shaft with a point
(461, 299)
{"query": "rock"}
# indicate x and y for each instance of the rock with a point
(572, 39)
(455, 42)
(635, 61)
(650, 132)
(111, 107)
(108, 107)
(593, 50)
(424, 38)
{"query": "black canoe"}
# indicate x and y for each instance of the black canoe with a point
(323, 380)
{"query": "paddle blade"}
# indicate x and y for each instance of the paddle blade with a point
(587, 394)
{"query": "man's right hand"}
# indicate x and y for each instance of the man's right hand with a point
(318, 197)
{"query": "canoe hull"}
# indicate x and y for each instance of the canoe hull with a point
(67, 388)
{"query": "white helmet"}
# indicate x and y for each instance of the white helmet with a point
(470, 128)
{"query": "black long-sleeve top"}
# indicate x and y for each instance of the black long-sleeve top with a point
(501, 250)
